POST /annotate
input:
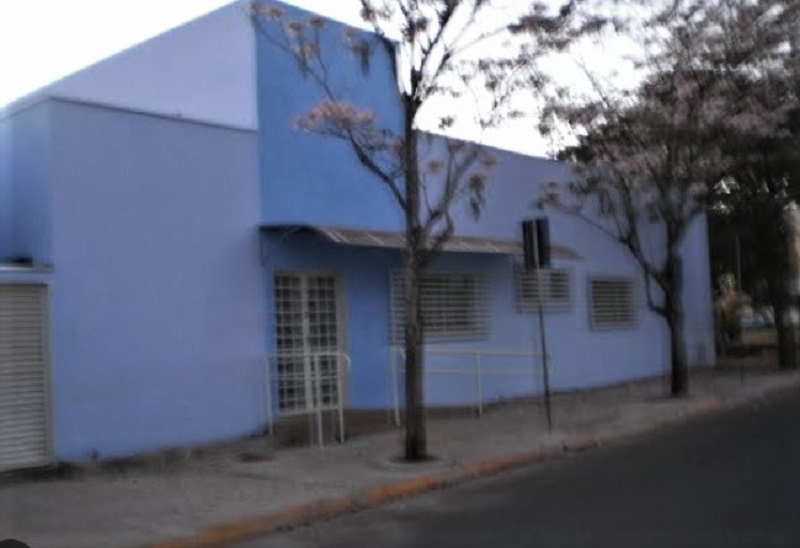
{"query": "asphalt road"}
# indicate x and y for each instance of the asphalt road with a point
(728, 480)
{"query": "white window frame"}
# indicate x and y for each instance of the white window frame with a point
(439, 300)
(613, 311)
(557, 285)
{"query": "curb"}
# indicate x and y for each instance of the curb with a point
(323, 509)
(305, 513)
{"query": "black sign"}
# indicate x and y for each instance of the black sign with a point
(536, 243)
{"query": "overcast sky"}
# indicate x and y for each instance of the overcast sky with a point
(44, 40)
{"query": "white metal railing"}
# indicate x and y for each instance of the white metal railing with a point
(307, 383)
(478, 363)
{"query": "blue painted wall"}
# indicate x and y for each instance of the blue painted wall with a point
(157, 290)
(311, 179)
(306, 177)
(25, 185)
(161, 311)
(513, 186)
(582, 357)
(6, 188)
(364, 274)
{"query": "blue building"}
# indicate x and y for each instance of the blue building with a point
(176, 261)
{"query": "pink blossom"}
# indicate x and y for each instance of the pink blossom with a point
(551, 191)
(446, 122)
(649, 196)
(272, 11)
(698, 190)
(335, 116)
(295, 27)
(316, 21)
(399, 148)
(366, 116)
(476, 182)
(368, 14)
(488, 161)
(435, 166)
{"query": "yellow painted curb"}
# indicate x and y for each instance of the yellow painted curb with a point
(490, 467)
(493, 466)
(708, 404)
(328, 508)
(387, 493)
(583, 443)
(297, 515)
(261, 525)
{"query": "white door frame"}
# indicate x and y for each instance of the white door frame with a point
(340, 336)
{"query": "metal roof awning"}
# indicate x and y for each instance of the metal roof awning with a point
(396, 240)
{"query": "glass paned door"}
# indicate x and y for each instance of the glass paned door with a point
(307, 337)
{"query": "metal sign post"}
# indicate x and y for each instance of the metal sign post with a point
(535, 236)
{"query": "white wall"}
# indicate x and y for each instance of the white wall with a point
(203, 70)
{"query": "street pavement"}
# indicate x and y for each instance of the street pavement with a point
(730, 480)
(224, 494)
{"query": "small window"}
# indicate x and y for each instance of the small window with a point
(454, 306)
(611, 303)
(556, 289)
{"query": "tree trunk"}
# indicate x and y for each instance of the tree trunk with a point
(787, 345)
(416, 442)
(679, 376)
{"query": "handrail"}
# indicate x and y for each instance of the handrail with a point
(479, 369)
(466, 351)
(313, 377)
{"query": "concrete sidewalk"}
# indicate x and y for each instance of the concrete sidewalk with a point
(221, 497)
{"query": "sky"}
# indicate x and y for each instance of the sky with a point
(44, 40)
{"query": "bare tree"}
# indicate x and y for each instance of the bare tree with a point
(439, 50)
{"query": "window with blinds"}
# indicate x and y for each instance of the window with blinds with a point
(556, 289)
(454, 306)
(611, 303)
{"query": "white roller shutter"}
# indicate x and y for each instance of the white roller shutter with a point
(24, 432)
